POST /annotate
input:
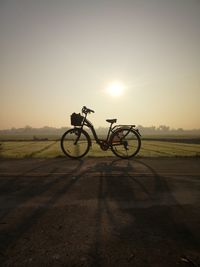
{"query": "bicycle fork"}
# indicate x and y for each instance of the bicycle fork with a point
(78, 137)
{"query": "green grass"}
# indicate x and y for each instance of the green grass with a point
(51, 149)
(169, 149)
(27, 137)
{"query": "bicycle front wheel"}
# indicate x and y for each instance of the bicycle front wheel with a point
(75, 143)
(125, 143)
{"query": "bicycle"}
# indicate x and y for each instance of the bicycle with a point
(123, 140)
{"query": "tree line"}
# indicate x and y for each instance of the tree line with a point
(152, 130)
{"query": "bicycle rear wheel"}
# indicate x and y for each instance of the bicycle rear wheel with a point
(75, 143)
(125, 143)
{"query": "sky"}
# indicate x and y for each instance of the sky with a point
(59, 55)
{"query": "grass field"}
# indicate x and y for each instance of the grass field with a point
(51, 149)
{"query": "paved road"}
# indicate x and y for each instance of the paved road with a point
(100, 212)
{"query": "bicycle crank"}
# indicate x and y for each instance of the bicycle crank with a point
(104, 145)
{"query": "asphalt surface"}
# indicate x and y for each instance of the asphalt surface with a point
(100, 212)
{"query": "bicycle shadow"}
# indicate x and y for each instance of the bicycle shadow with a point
(140, 211)
(124, 194)
(32, 189)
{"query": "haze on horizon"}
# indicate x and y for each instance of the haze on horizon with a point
(57, 56)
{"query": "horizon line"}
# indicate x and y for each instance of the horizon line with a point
(105, 127)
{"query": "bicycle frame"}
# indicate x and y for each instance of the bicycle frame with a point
(88, 124)
(111, 130)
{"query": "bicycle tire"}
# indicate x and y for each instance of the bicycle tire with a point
(74, 149)
(125, 143)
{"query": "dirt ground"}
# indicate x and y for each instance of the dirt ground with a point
(100, 212)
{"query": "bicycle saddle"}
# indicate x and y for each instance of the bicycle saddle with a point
(111, 120)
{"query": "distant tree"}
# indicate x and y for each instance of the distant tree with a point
(27, 129)
(164, 129)
(180, 131)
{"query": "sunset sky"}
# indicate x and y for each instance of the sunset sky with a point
(135, 60)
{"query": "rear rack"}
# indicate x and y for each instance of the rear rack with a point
(130, 126)
(123, 125)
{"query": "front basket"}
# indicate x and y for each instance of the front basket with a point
(76, 119)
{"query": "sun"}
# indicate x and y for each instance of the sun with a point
(115, 89)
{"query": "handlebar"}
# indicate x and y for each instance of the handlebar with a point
(86, 110)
